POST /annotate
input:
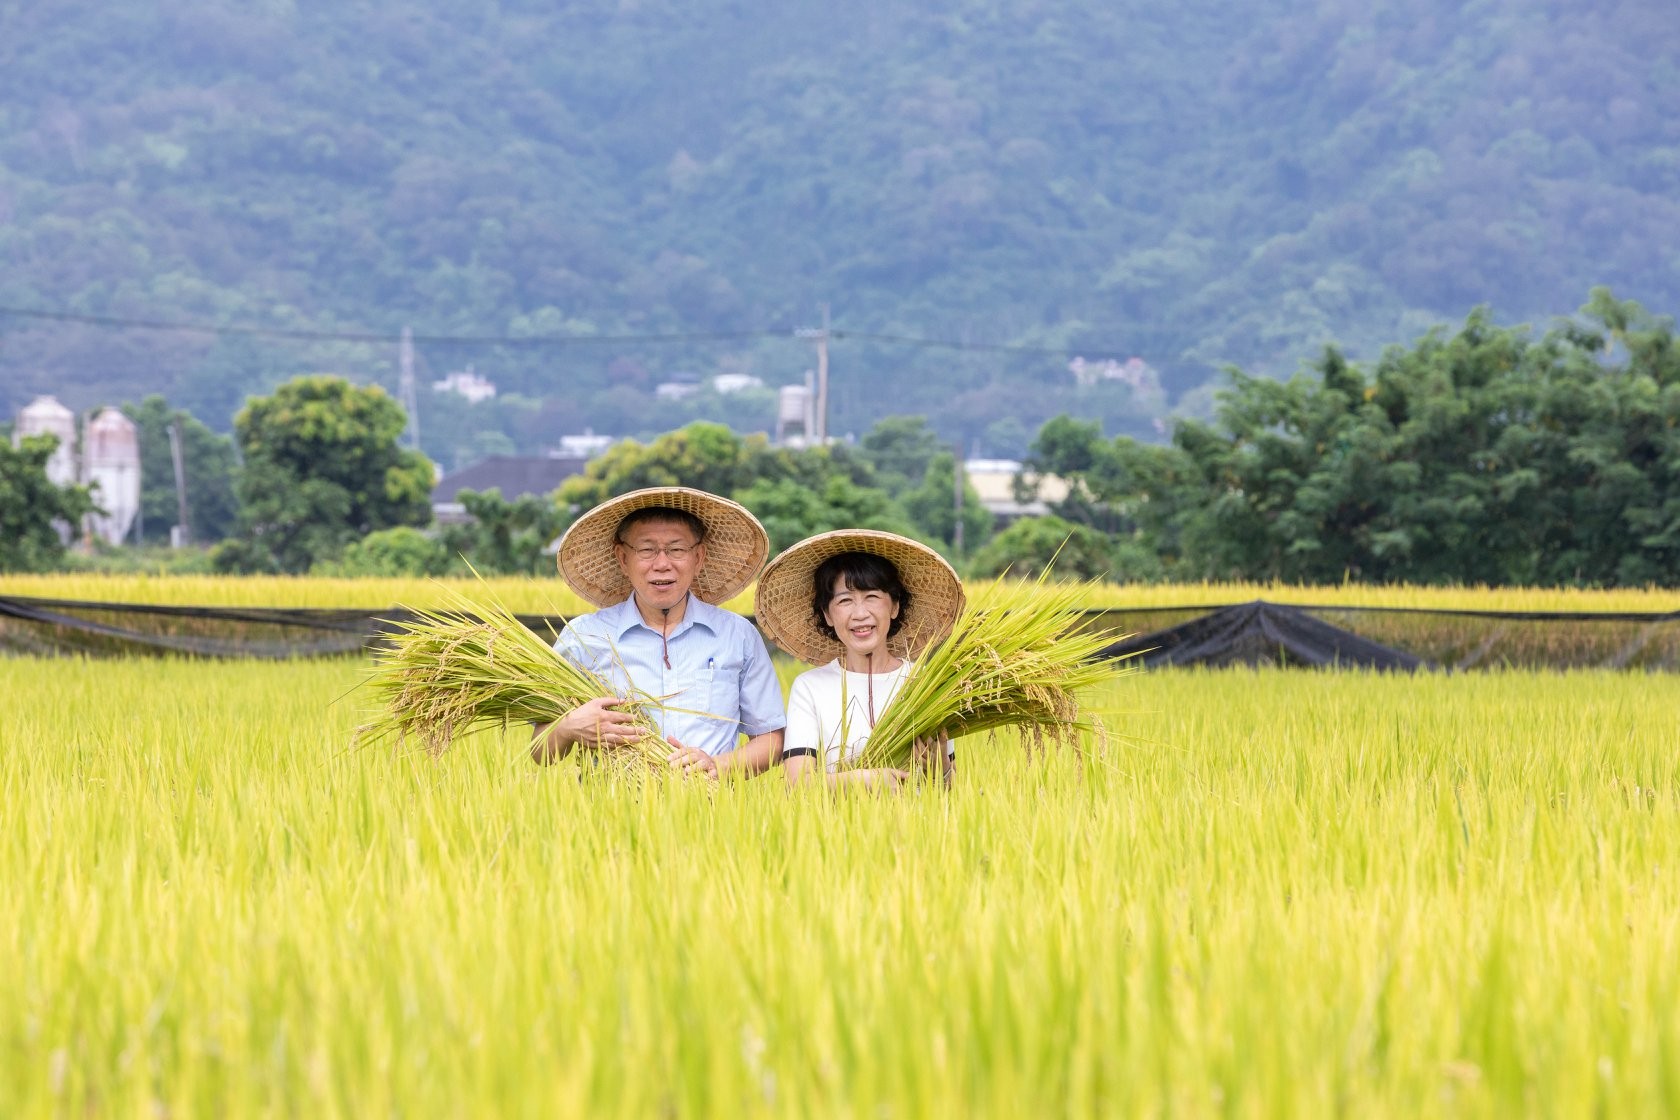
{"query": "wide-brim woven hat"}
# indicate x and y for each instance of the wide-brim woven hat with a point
(736, 545)
(782, 606)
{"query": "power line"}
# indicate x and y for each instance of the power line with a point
(983, 347)
(538, 341)
(371, 336)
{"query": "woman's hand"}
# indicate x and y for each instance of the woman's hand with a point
(931, 755)
(884, 778)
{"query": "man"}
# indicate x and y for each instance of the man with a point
(658, 562)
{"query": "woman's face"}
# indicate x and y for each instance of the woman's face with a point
(860, 618)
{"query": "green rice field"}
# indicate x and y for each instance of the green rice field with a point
(1270, 894)
(550, 596)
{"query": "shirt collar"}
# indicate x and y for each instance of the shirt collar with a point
(624, 617)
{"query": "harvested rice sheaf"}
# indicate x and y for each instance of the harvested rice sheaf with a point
(472, 665)
(1020, 656)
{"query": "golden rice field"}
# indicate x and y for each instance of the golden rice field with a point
(1285, 894)
(550, 596)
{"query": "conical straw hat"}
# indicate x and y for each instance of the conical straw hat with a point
(736, 545)
(782, 606)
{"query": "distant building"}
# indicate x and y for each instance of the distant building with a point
(796, 415)
(736, 382)
(45, 416)
(1135, 373)
(466, 383)
(106, 459)
(514, 475)
(994, 481)
(586, 446)
(111, 465)
(679, 387)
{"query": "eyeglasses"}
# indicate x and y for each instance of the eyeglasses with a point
(676, 553)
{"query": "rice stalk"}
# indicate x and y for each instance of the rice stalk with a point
(472, 665)
(1020, 655)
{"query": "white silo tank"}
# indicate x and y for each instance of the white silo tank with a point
(794, 405)
(45, 416)
(112, 464)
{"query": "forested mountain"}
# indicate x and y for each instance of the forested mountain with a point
(1194, 184)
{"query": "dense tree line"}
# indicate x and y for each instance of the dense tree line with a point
(899, 479)
(1487, 455)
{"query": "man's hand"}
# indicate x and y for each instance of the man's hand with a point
(599, 723)
(691, 762)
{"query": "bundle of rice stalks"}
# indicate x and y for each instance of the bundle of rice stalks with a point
(1018, 656)
(472, 665)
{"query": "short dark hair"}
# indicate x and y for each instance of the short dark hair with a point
(661, 513)
(860, 571)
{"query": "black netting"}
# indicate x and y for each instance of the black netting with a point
(50, 627)
(1396, 637)
(1245, 633)
(1260, 633)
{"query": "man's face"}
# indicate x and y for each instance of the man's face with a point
(660, 559)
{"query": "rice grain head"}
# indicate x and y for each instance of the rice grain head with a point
(1020, 656)
(471, 665)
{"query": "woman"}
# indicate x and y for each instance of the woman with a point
(860, 605)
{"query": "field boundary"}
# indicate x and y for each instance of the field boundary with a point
(1255, 632)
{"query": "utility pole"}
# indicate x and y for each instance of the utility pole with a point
(819, 335)
(961, 477)
(85, 471)
(405, 386)
(822, 379)
(183, 527)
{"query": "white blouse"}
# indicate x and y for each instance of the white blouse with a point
(828, 711)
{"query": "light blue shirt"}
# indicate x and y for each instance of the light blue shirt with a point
(719, 667)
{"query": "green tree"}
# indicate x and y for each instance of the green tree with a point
(792, 511)
(503, 537)
(400, 551)
(1033, 544)
(900, 449)
(704, 456)
(30, 505)
(1482, 456)
(746, 469)
(208, 464)
(322, 469)
(932, 506)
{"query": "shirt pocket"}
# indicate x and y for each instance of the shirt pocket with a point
(718, 694)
